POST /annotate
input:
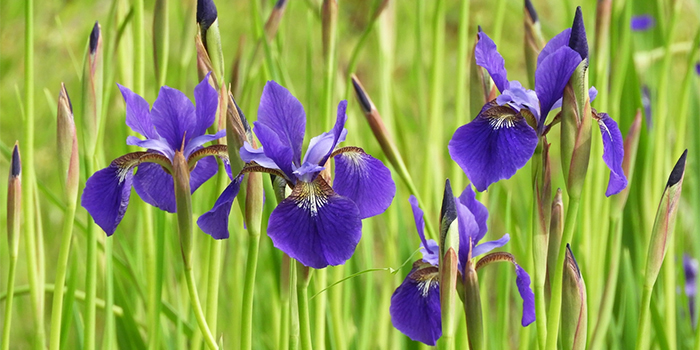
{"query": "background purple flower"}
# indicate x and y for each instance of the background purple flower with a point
(642, 22)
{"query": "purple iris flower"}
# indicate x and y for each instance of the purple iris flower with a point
(504, 135)
(415, 305)
(690, 267)
(642, 22)
(317, 224)
(174, 124)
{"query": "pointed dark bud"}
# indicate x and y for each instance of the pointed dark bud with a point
(94, 37)
(578, 40)
(678, 170)
(478, 28)
(571, 261)
(448, 211)
(206, 14)
(280, 4)
(531, 11)
(16, 168)
(365, 104)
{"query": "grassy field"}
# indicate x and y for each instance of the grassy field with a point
(416, 62)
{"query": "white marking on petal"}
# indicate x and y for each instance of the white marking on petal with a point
(424, 286)
(311, 198)
(497, 123)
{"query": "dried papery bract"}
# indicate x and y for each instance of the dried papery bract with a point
(573, 307)
(661, 234)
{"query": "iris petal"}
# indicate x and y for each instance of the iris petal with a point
(551, 77)
(468, 233)
(280, 111)
(138, 114)
(523, 282)
(215, 221)
(198, 141)
(487, 56)
(613, 153)
(160, 146)
(321, 147)
(420, 223)
(365, 180)
(493, 146)
(173, 116)
(316, 226)
(559, 40)
(250, 154)
(275, 149)
(486, 247)
(106, 196)
(207, 101)
(415, 306)
(156, 187)
(481, 214)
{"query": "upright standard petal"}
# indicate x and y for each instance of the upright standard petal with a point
(365, 180)
(283, 114)
(207, 101)
(249, 154)
(215, 221)
(275, 149)
(137, 114)
(523, 282)
(493, 146)
(321, 147)
(468, 232)
(415, 305)
(316, 226)
(106, 196)
(559, 40)
(481, 214)
(613, 153)
(551, 77)
(173, 115)
(420, 222)
(487, 56)
(486, 247)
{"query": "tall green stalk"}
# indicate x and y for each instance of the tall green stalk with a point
(253, 216)
(28, 182)
(303, 275)
(555, 302)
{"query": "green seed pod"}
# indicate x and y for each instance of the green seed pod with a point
(92, 91)
(664, 223)
(14, 202)
(574, 319)
(67, 146)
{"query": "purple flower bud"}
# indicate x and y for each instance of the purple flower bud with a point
(578, 40)
(206, 14)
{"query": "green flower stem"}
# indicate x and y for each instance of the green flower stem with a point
(555, 302)
(643, 325)
(320, 280)
(110, 330)
(90, 273)
(139, 47)
(336, 297)
(183, 200)
(214, 272)
(61, 266)
(285, 286)
(294, 307)
(434, 174)
(330, 21)
(303, 275)
(669, 286)
(249, 288)
(154, 285)
(8, 304)
(606, 303)
(28, 210)
(462, 92)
